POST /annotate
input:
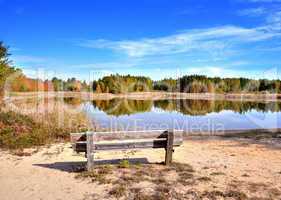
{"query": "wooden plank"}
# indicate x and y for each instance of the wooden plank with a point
(90, 153)
(178, 133)
(127, 144)
(74, 137)
(169, 148)
(121, 135)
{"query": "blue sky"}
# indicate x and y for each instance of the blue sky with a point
(157, 38)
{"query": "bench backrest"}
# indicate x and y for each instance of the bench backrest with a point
(123, 140)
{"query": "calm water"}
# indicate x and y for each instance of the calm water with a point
(191, 115)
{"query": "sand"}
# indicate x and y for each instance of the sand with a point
(48, 173)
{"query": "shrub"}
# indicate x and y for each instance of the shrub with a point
(124, 164)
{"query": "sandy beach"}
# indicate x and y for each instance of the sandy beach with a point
(236, 165)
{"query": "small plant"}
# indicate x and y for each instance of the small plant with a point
(118, 191)
(162, 192)
(138, 165)
(245, 175)
(142, 196)
(97, 175)
(186, 178)
(236, 195)
(180, 167)
(105, 169)
(124, 164)
(159, 180)
(217, 174)
(204, 179)
(213, 194)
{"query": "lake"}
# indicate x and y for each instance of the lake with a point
(184, 114)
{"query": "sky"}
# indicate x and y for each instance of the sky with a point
(88, 39)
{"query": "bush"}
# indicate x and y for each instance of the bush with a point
(124, 164)
(18, 131)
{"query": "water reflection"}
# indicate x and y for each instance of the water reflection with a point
(119, 107)
(192, 115)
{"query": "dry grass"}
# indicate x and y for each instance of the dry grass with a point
(157, 182)
(127, 176)
(32, 123)
(118, 191)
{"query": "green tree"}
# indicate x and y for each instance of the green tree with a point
(5, 68)
(98, 89)
(57, 84)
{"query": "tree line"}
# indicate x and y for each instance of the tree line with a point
(127, 83)
(187, 84)
(122, 84)
(18, 82)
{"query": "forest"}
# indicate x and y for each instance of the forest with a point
(187, 84)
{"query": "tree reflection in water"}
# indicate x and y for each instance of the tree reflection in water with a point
(118, 107)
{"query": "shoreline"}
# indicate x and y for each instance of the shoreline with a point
(147, 96)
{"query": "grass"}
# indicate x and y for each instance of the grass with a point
(19, 131)
(124, 164)
(186, 178)
(125, 176)
(97, 175)
(217, 174)
(212, 194)
(237, 195)
(179, 167)
(118, 191)
(204, 179)
(157, 182)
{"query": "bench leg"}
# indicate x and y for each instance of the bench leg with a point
(90, 161)
(169, 148)
(90, 154)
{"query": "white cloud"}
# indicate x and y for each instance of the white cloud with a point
(252, 12)
(210, 40)
(271, 13)
(105, 65)
(274, 20)
(216, 71)
(264, 1)
(27, 59)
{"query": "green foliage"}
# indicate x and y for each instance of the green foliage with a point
(122, 84)
(169, 85)
(70, 85)
(5, 68)
(124, 164)
(202, 84)
(57, 84)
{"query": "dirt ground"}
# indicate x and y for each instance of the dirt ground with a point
(253, 169)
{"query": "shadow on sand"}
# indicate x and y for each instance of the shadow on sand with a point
(80, 166)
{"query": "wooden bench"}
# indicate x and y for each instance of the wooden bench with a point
(91, 142)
